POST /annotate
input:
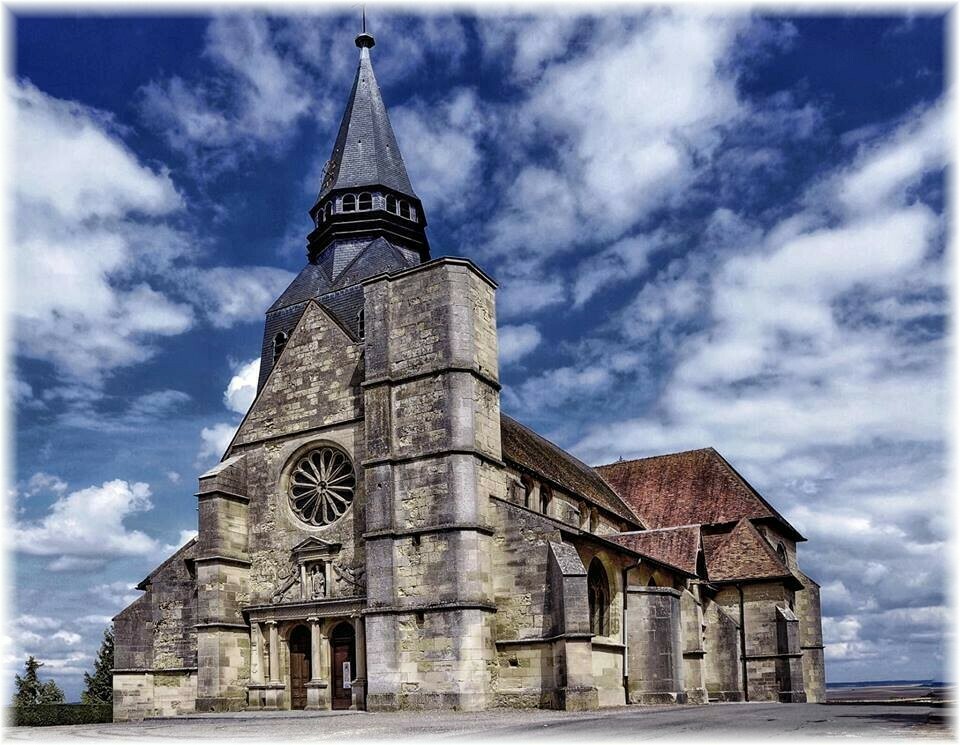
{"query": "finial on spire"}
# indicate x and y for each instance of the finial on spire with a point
(364, 39)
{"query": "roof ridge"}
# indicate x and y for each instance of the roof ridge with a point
(661, 530)
(652, 457)
(757, 494)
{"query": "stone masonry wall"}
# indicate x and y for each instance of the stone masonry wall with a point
(157, 633)
(315, 383)
(722, 666)
(654, 646)
(811, 639)
(432, 427)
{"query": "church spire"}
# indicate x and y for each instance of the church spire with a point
(365, 189)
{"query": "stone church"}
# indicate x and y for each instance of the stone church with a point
(380, 536)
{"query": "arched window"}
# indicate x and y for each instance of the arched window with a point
(544, 499)
(782, 553)
(349, 203)
(404, 209)
(598, 596)
(365, 202)
(327, 211)
(279, 342)
(360, 327)
(391, 203)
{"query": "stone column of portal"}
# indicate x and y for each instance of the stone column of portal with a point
(432, 426)
(360, 681)
(317, 690)
(255, 689)
(274, 690)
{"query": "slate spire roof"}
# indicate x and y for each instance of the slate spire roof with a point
(365, 152)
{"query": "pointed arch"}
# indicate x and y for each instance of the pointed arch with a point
(782, 552)
(598, 596)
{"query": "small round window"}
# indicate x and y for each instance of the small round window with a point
(322, 484)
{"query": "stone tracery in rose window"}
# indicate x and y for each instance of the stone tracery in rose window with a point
(322, 485)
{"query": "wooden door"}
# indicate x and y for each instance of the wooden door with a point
(299, 667)
(343, 662)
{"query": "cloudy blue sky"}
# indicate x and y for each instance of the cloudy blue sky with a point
(720, 230)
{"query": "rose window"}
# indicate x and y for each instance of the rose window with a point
(322, 485)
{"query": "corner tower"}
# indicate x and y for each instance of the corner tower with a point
(367, 219)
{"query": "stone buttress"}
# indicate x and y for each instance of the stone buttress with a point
(223, 569)
(432, 413)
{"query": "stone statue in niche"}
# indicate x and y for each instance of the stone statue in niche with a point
(318, 582)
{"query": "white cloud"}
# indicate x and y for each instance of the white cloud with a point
(215, 440)
(440, 145)
(100, 280)
(41, 483)
(80, 196)
(257, 98)
(885, 170)
(117, 594)
(617, 156)
(232, 295)
(517, 342)
(518, 296)
(86, 528)
(624, 260)
(242, 388)
(70, 159)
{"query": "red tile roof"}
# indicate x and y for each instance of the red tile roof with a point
(697, 486)
(523, 447)
(741, 554)
(677, 547)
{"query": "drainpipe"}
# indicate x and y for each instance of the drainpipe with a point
(743, 646)
(623, 632)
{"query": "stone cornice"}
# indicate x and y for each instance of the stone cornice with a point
(442, 369)
(441, 453)
(430, 608)
(428, 265)
(302, 610)
(441, 528)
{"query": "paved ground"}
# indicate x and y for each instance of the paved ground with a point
(701, 723)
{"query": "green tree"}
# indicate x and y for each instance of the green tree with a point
(100, 684)
(30, 691)
(50, 693)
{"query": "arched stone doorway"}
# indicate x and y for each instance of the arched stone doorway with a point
(343, 660)
(299, 666)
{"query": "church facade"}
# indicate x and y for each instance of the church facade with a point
(380, 536)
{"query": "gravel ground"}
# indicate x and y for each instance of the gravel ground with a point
(700, 723)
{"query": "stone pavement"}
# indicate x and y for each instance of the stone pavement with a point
(693, 723)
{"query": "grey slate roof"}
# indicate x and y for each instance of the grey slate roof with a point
(365, 151)
(334, 282)
(523, 447)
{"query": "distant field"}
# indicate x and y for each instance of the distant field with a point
(928, 692)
